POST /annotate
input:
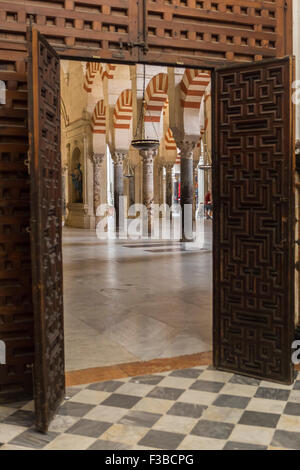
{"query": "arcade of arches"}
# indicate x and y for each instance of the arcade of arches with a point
(117, 308)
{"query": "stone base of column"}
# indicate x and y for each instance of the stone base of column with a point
(79, 218)
(187, 240)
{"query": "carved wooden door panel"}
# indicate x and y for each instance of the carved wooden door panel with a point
(46, 231)
(254, 219)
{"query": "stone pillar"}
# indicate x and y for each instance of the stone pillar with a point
(64, 192)
(132, 186)
(118, 160)
(186, 188)
(161, 181)
(97, 159)
(148, 183)
(169, 183)
(195, 172)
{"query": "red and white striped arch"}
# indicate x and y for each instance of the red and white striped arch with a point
(166, 105)
(156, 96)
(204, 111)
(193, 85)
(99, 118)
(109, 71)
(171, 147)
(123, 110)
(170, 143)
(92, 68)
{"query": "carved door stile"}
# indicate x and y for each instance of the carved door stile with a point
(254, 218)
(46, 228)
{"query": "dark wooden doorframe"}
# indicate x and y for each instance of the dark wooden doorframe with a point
(50, 382)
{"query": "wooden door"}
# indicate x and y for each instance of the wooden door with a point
(254, 219)
(46, 228)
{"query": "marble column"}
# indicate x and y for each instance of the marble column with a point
(195, 172)
(161, 181)
(169, 183)
(148, 183)
(186, 189)
(118, 160)
(132, 185)
(97, 159)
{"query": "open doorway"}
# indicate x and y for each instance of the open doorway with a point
(131, 297)
(254, 225)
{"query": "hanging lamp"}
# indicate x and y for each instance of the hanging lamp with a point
(140, 141)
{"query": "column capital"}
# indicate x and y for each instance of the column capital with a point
(97, 158)
(118, 158)
(186, 148)
(160, 162)
(168, 165)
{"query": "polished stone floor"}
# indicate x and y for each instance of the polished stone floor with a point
(187, 409)
(129, 301)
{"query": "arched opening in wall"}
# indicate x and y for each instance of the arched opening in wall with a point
(132, 295)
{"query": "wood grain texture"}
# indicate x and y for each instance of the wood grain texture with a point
(46, 229)
(16, 311)
(189, 32)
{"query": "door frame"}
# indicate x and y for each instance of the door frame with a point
(210, 68)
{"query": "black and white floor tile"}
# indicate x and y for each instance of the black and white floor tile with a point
(197, 408)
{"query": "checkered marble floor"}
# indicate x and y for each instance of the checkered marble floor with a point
(190, 409)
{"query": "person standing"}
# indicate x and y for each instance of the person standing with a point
(208, 205)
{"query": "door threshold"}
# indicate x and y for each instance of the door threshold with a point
(132, 369)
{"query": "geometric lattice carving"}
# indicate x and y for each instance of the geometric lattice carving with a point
(216, 30)
(46, 229)
(16, 312)
(254, 220)
(176, 31)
